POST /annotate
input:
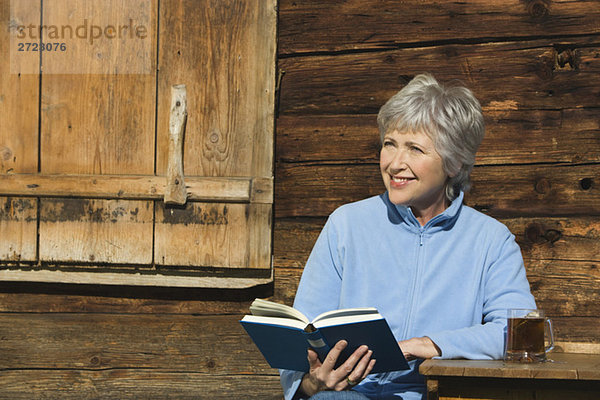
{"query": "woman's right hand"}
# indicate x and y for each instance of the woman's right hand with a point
(323, 376)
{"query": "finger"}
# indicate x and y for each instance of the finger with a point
(349, 365)
(369, 369)
(313, 359)
(333, 355)
(361, 370)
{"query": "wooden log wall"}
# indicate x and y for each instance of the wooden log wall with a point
(535, 67)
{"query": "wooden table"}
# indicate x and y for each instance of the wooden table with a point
(570, 376)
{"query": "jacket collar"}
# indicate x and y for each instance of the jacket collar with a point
(443, 220)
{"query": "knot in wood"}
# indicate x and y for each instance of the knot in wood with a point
(5, 153)
(538, 8)
(586, 183)
(534, 233)
(542, 186)
(95, 360)
(567, 57)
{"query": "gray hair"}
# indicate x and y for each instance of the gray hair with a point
(450, 115)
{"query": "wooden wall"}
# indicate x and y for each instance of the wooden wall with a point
(535, 67)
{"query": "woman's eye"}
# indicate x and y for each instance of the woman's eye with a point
(417, 149)
(388, 143)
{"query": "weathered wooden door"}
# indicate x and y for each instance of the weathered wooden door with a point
(84, 141)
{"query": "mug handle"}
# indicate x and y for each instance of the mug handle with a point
(549, 326)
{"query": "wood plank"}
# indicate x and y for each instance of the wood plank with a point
(512, 137)
(577, 347)
(27, 297)
(213, 235)
(567, 366)
(96, 231)
(98, 119)
(567, 289)
(528, 78)
(91, 116)
(540, 239)
(319, 26)
(128, 279)
(557, 238)
(314, 190)
(257, 190)
(19, 92)
(108, 118)
(111, 37)
(18, 229)
(542, 190)
(216, 345)
(538, 191)
(19, 97)
(293, 240)
(134, 383)
(225, 55)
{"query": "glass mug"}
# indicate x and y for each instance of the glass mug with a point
(525, 336)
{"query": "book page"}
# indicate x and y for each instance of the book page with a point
(267, 308)
(292, 323)
(348, 312)
(347, 319)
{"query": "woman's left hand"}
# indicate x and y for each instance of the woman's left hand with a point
(419, 347)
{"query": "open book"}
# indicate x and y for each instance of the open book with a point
(283, 335)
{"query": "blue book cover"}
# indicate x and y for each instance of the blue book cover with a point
(283, 339)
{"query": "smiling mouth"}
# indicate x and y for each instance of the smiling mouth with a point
(400, 180)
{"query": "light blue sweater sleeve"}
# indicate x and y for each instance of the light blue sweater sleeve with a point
(506, 286)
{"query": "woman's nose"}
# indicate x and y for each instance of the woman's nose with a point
(399, 160)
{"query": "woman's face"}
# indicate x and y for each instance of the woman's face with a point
(412, 173)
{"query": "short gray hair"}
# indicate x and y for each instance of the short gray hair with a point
(449, 114)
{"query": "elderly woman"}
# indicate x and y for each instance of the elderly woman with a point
(441, 273)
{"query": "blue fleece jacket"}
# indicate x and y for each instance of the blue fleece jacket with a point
(451, 280)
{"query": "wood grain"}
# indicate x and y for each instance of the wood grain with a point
(19, 93)
(133, 383)
(224, 53)
(557, 238)
(203, 344)
(176, 191)
(97, 123)
(19, 112)
(213, 235)
(523, 75)
(18, 229)
(567, 366)
(542, 190)
(333, 26)
(96, 231)
(570, 376)
(512, 137)
(136, 187)
(540, 238)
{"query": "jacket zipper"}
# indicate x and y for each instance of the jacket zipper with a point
(414, 285)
